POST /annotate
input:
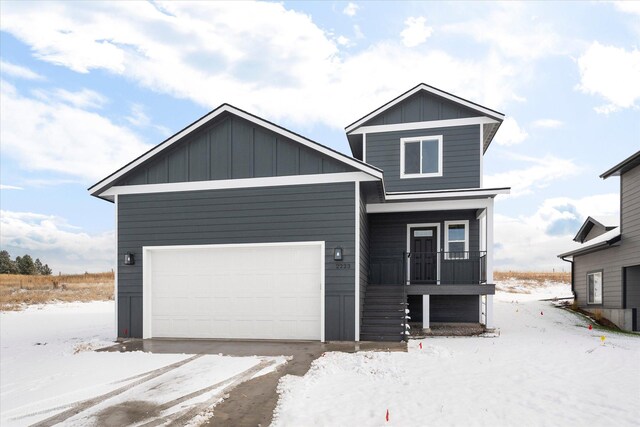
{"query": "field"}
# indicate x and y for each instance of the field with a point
(19, 291)
(533, 276)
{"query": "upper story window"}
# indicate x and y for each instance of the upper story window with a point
(421, 157)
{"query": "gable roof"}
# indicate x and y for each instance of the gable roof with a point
(603, 241)
(588, 225)
(102, 185)
(624, 166)
(438, 92)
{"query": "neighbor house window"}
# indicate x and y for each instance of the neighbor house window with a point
(421, 157)
(594, 287)
(456, 239)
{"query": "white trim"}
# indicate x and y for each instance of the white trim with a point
(420, 140)
(466, 235)
(224, 184)
(260, 122)
(432, 124)
(364, 147)
(115, 270)
(429, 89)
(464, 192)
(427, 224)
(425, 312)
(481, 152)
(357, 262)
(442, 205)
(488, 315)
(147, 285)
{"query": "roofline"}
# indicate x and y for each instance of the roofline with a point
(584, 224)
(228, 108)
(617, 169)
(442, 194)
(423, 86)
(593, 248)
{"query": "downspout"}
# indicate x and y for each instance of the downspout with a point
(573, 290)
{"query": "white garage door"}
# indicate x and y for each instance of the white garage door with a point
(262, 291)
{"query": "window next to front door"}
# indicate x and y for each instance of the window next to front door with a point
(421, 157)
(456, 239)
(594, 287)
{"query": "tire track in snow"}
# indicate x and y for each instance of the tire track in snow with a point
(86, 404)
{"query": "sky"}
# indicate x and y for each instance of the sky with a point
(87, 86)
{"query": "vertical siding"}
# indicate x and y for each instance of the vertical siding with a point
(613, 259)
(421, 107)
(460, 162)
(323, 212)
(364, 250)
(232, 148)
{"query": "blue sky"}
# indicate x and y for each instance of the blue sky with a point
(86, 87)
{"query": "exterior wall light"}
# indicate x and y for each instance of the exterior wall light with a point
(129, 259)
(337, 254)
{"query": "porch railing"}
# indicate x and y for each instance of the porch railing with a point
(429, 268)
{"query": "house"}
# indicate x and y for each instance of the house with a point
(605, 262)
(235, 227)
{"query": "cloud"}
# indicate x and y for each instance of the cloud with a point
(415, 31)
(510, 133)
(83, 99)
(10, 187)
(49, 134)
(547, 123)
(532, 242)
(612, 73)
(351, 9)
(18, 71)
(632, 7)
(538, 174)
(192, 51)
(64, 247)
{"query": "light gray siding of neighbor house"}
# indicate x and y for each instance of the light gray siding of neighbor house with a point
(321, 212)
(231, 148)
(613, 259)
(421, 107)
(460, 161)
(364, 250)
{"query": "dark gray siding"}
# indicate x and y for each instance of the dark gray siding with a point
(420, 107)
(364, 249)
(454, 308)
(460, 162)
(232, 148)
(613, 259)
(323, 212)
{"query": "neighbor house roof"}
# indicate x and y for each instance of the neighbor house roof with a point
(102, 185)
(622, 167)
(591, 222)
(603, 241)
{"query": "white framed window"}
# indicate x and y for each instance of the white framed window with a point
(421, 157)
(594, 287)
(456, 239)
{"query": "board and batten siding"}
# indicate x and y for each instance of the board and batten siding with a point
(421, 107)
(460, 161)
(613, 259)
(321, 212)
(232, 148)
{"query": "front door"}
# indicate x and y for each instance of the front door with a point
(424, 256)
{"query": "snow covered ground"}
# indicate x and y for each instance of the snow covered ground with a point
(46, 365)
(545, 368)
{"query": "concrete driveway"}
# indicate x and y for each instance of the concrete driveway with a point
(249, 402)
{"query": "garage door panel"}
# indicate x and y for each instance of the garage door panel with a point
(251, 292)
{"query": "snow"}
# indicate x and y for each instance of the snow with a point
(47, 364)
(545, 368)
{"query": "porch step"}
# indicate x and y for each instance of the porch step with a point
(379, 337)
(383, 313)
(382, 320)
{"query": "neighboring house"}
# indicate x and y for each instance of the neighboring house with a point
(605, 269)
(238, 228)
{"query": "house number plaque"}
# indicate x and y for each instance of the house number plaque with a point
(343, 266)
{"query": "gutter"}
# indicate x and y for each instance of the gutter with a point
(573, 289)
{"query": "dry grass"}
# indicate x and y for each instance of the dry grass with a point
(18, 291)
(533, 276)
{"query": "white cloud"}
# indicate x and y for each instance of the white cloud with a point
(343, 41)
(415, 31)
(64, 247)
(9, 187)
(532, 242)
(632, 7)
(538, 173)
(49, 134)
(547, 123)
(612, 73)
(84, 99)
(510, 133)
(18, 71)
(351, 9)
(191, 51)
